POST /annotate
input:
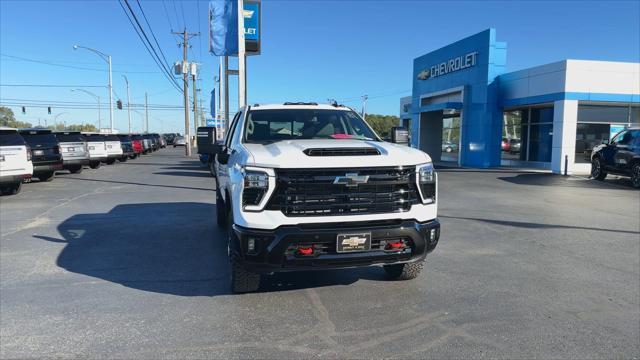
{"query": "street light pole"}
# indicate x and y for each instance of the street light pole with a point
(106, 58)
(128, 102)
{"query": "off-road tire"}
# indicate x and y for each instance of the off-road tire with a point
(404, 271)
(76, 169)
(635, 175)
(597, 171)
(242, 281)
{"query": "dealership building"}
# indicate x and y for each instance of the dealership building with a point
(466, 109)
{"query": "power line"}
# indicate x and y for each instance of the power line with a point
(182, 9)
(153, 34)
(166, 73)
(200, 39)
(51, 85)
(175, 11)
(72, 66)
(166, 13)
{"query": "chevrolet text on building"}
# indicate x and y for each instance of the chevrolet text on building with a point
(551, 116)
(305, 186)
(446, 67)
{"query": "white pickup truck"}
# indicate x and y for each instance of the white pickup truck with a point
(15, 161)
(302, 186)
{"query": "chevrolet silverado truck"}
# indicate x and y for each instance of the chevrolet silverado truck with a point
(302, 186)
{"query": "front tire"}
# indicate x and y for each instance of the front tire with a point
(110, 161)
(95, 165)
(123, 159)
(597, 170)
(12, 189)
(635, 175)
(404, 271)
(242, 281)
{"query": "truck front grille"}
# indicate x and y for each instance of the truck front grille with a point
(315, 192)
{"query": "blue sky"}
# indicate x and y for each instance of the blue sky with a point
(312, 50)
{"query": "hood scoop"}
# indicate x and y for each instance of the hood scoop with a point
(345, 151)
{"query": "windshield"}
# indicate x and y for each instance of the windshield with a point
(95, 137)
(264, 126)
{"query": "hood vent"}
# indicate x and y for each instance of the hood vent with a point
(342, 151)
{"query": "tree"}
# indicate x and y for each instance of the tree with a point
(382, 124)
(7, 118)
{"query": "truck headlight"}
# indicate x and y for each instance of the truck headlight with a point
(257, 186)
(426, 182)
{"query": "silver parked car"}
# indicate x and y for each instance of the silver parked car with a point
(74, 149)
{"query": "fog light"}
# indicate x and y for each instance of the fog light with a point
(432, 234)
(251, 244)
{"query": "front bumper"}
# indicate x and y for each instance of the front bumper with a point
(273, 248)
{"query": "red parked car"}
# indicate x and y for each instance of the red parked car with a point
(136, 142)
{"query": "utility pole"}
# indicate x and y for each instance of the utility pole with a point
(226, 93)
(128, 102)
(185, 87)
(146, 112)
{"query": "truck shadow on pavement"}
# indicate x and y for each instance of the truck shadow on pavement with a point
(566, 181)
(170, 248)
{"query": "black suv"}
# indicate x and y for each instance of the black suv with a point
(45, 152)
(127, 147)
(621, 156)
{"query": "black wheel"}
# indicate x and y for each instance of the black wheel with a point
(635, 175)
(76, 169)
(221, 211)
(123, 159)
(597, 170)
(12, 189)
(404, 271)
(47, 176)
(95, 165)
(242, 281)
(110, 161)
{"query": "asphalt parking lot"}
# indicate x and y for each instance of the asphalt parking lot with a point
(126, 261)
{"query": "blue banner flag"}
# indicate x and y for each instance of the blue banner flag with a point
(213, 103)
(223, 27)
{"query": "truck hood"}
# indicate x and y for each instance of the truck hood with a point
(290, 154)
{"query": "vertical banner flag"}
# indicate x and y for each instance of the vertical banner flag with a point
(223, 27)
(213, 103)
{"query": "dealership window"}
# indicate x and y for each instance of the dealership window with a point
(527, 134)
(450, 136)
(598, 123)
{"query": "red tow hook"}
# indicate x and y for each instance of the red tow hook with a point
(305, 250)
(395, 245)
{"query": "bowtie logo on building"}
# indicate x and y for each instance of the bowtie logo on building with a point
(424, 74)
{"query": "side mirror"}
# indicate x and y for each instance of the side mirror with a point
(206, 141)
(605, 142)
(399, 135)
(223, 158)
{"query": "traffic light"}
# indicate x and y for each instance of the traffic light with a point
(119, 104)
(24, 110)
(49, 110)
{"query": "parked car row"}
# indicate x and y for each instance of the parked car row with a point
(40, 153)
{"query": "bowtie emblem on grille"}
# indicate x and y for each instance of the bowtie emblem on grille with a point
(351, 179)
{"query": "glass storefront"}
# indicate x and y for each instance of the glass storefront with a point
(527, 134)
(598, 123)
(450, 138)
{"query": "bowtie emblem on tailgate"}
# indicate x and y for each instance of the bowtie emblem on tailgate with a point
(351, 179)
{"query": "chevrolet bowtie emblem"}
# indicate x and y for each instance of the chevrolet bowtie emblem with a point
(354, 241)
(351, 179)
